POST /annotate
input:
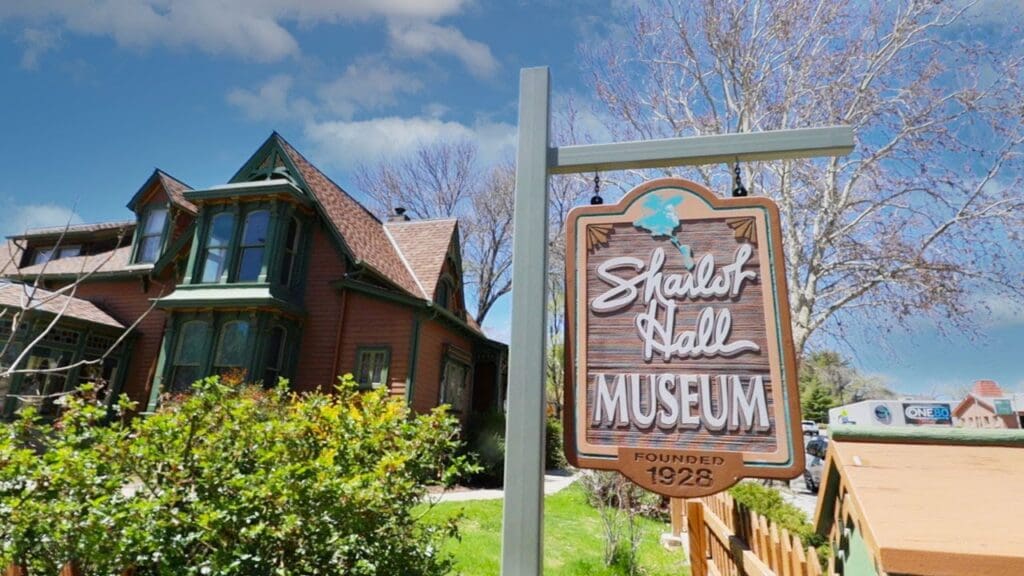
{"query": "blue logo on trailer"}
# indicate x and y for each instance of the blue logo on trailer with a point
(883, 415)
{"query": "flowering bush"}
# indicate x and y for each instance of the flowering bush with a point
(229, 480)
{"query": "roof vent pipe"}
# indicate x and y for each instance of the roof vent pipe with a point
(399, 215)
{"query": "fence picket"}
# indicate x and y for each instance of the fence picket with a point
(728, 539)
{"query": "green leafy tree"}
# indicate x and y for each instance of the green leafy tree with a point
(230, 480)
(843, 381)
(815, 402)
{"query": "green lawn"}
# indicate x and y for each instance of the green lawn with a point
(573, 541)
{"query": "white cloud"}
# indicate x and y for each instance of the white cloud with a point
(17, 218)
(251, 29)
(1003, 312)
(270, 101)
(367, 84)
(419, 38)
(345, 144)
(36, 42)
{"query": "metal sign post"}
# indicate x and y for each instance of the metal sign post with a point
(522, 524)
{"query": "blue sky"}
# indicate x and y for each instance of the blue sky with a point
(97, 94)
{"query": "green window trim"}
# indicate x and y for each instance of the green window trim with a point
(275, 356)
(217, 248)
(290, 248)
(234, 346)
(146, 237)
(252, 247)
(189, 355)
(225, 348)
(372, 366)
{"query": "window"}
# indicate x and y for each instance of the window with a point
(102, 374)
(42, 255)
(218, 243)
(291, 248)
(254, 242)
(372, 367)
(453, 384)
(232, 347)
(189, 355)
(274, 356)
(152, 235)
(444, 292)
(70, 251)
(44, 385)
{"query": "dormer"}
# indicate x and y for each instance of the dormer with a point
(250, 232)
(162, 214)
(40, 246)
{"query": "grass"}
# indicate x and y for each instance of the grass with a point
(573, 539)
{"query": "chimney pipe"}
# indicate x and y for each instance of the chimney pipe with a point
(399, 215)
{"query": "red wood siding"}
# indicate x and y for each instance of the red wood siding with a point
(376, 322)
(315, 369)
(434, 336)
(126, 301)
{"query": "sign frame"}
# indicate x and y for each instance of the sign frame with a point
(692, 472)
(522, 529)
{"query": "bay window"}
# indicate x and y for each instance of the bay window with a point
(232, 351)
(253, 245)
(189, 355)
(218, 246)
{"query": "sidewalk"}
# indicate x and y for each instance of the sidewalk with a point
(554, 481)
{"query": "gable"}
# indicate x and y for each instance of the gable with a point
(160, 187)
(359, 232)
(425, 246)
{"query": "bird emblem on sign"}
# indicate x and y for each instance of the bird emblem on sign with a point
(662, 221)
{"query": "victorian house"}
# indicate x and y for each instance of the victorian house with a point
(279, 273)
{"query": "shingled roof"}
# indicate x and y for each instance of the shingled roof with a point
(174, 188)
(424, 244)
(76, 229)
(30, 298)
(109, 262)
(361, 231)
(987, 389)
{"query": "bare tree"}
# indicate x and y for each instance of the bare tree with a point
(922, 217)
(488, 238)
(435, 181)
(444, 180)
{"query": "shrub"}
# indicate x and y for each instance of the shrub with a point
(485, 436)
(554, 453)
(485, 443)
(769, 503)
(230, 480)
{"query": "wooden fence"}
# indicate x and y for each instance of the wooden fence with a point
(727, 539)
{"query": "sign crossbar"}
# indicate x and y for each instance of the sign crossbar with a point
(522, 523)
(696, 150)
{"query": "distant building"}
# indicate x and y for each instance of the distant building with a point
(893, 413)
(988, 406)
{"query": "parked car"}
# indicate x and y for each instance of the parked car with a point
(810, 427)
(817, 449)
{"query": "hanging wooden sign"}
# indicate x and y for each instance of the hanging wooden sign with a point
(680, 369)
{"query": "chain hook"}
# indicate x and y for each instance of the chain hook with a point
(596, 199)
(739, 190)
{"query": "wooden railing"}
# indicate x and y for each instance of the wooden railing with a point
(727, 539)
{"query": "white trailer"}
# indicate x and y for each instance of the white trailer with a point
(893, 413)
